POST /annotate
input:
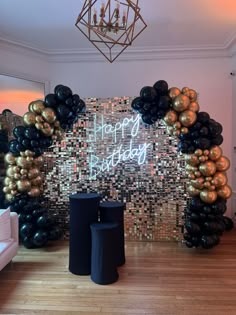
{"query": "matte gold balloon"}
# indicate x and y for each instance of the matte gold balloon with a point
(181, 103)
(192, 95)
(23, 185)
(208, 196)
(193, 191)
(215, 153)
(29, 119)
(170, 117)
(187, 118)
(194, 107)
(49, 115)
(207, 168)
(33, 172)
(22, 162)
(37, 181)
(10, 159)
(198, 152)
(219, 179)
(16, 169)
(224, 192)
(10, 172)
(38, 106)
(222, 164)
(191, 159)
(34, 192)
(173, 92)
(198, 182)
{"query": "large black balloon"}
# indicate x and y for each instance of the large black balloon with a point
(19, 131)
(137, 103)
(164, 102)
(44, 221)
(202, 143)
(203, 117)
(40, 238)
(192, 228)
(148, 93)
(32, 133)
(55, 233)
(218, 140)
(50, 100)
(26, 229)
(63, 93)
(229, 224)
(161, 87)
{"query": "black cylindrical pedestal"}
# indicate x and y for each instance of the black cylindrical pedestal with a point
(104, 265)
(113, 211)
(83, 212)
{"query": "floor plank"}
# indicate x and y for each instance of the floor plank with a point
(157, 279)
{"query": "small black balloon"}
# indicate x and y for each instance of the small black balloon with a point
(137, 104)
(148, 93)
(26, 229)
(28, 242)
(164, 102)
(57, 87)
(229, 224)
(19, 131)
(50, 100)
(218, 140)
(40, 238)
(161, 87)
(63, 93)
(202, 143)
(203, 117)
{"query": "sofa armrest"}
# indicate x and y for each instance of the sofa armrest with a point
(15, 226)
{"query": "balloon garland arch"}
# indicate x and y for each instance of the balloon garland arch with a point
(199, 139)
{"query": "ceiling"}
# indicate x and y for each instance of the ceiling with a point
(49, 25)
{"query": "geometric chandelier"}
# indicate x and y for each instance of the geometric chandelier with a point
(111, 26)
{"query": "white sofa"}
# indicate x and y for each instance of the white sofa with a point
(9, 247)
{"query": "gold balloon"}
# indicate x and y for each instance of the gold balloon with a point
(38, 106)
(191, 168)
(10, 159)
(184, 130)
(222, 164)
(57, 124)
(38, 161)
(48, 131)
(206, 152)
(37, 181)
(22, 162)
(212, 188)
(193, 191)
(198, 182)
(173, 92)
(9, 197)
(29, 153)
(7, 181)
(176, 133)
(180, 103)
(12, 186)
(24, 171)
(219, 179)
(39, 119)
(39, 126)
(187, 118)
(202, 158)
(208, 196)
(191, 176)
(194, 107)
(10, 172)
(34, 192)
(215, 153)
(192, 95)
(224, 192)
(198, 152)
(197, 174)
(191, 159)
(30, 107)
(177, 125)
(22, 153)
(207, 168)
(23, 185)
(169, 129)
(29, 119)
(7, 190)
(207, 185)
(49, 115)
(33, 172)
(17, 176)
(170, 117)
(185, 90)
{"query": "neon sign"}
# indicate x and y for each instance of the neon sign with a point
(128, 127)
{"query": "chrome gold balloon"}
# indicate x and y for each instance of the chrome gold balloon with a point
(184, 130)
(38, 161)
(207, 168)
(191, 159)
(10, 159)
(37, 181)
(192, 95)
(187, 118)
(23, 185)
(29, 119)
(38, 106)
(193, 191)
(215, 153)
(198, 152)
(170, 117)
(194, 107)
(222, 164)
(173, 92)
(224, 192)
(185, 90)
(49, 115)
(198, 182)
(181, 103)
(33, 172)
(34, 192)
(22, 162)
(208, 196)
(219, 179)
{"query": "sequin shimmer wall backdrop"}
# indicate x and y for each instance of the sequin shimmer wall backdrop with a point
(112, 152)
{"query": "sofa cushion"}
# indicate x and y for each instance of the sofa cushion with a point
(5, 244)
(5, 224)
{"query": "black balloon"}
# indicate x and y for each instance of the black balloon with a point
(137, 104)
(63, 93)
(148, 93)
(50, 100)
(55, 233)
(28, 242)
(228, 223)
(203, 117)
(164, 102)
(40, 238)
(161, 87)
(26, 229)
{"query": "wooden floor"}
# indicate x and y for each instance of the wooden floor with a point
(158, 278)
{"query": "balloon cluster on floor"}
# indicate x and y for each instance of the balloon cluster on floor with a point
(44, 123)
(199, 140)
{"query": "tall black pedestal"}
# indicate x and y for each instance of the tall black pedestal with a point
(113, 211)
(83, 212)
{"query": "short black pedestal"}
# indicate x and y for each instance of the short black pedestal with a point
(104, 265)
(113, 211)
(83, 212)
